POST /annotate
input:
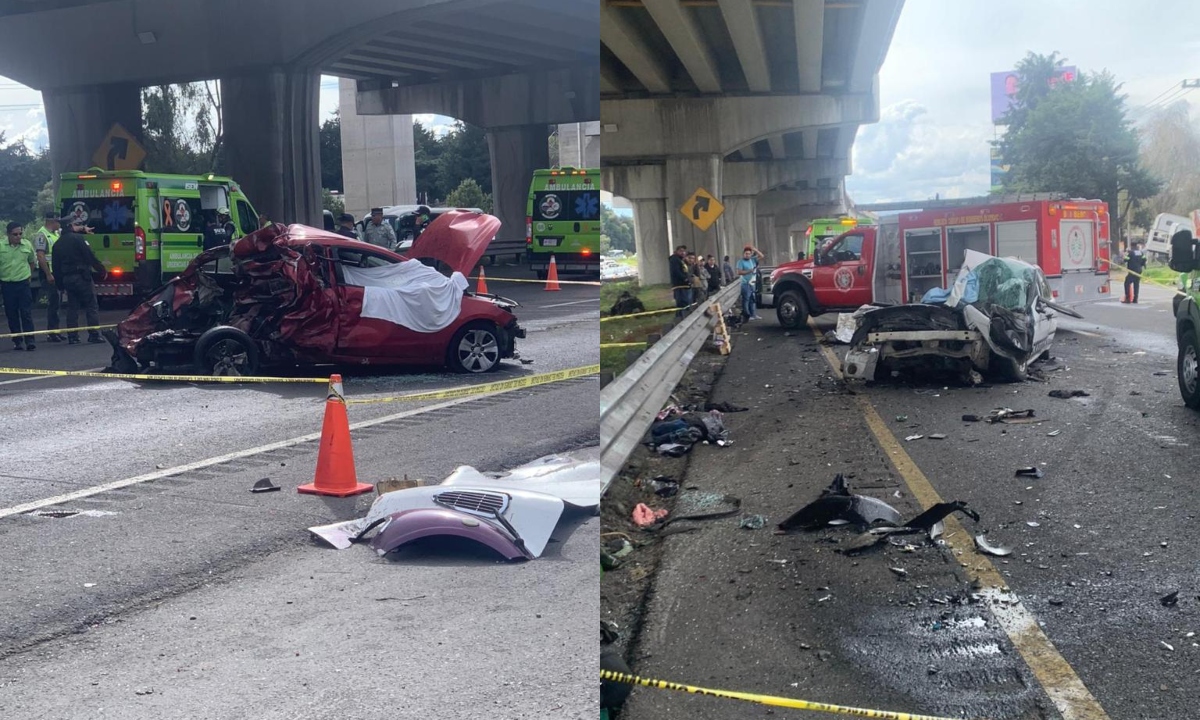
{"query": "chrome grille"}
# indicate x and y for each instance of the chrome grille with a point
(486, 504)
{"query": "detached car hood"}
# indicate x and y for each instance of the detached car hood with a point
(458, 239)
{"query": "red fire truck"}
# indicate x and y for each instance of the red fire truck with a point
(906, 255)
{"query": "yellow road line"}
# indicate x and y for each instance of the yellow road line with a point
(772, 700)
(1056, 676)
(498, 387)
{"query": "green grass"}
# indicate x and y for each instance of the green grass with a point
(655, 297)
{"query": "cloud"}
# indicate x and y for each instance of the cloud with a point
(907, 155)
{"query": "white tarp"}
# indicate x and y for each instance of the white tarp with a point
(409, 294)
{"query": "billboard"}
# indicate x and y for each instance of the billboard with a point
(1004, 89)
(999, 170)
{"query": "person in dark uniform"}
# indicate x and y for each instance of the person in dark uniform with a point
(217, 233)
(226, 222)
(72, 262)
(345, 226)
(1135, 261)
(681, 285)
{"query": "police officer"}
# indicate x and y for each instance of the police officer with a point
(379, 233)
(217, 233)
(17, 262)
(43, 244)
(1135, 261)
(345, 226)
(226, 222)
(73, 262)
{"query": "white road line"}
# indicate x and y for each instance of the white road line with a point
(1084, 332)
(180, 469)
(573, 302)
(41, 377)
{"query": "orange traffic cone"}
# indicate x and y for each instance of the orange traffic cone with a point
(481, 288)
(335, 459)
(552, 276)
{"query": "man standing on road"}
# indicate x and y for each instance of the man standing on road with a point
(714, 274)
(345, 226)
(747, 267)
(73, 262)
(1135, 263)
(16, 268)
(681, 285)
(43, 244)
(379, 233)
(727, 270)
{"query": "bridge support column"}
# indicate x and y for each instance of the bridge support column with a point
(739, 226)
(653, 244)
(377, 156)
(515, 152)
(78, 120)
(272, 141)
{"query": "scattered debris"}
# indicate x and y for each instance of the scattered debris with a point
(971, 418)
(1032, 523)
(673, 449)
(664, 486)
(901, 418)
(1055, 601)
(1164, 643)
(723, 407)
(836, 503)
(1068, 394)
(1170, 600)
(1054, 433)
(900, 572)
(643, 516)
(1033, 472)
(937, 436)
(1161, 373)
(937, 513)
(1009, 416)
(264, 486)
(753, 522)
(910, 438)
(987, 547)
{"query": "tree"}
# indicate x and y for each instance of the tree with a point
(333, 203)
(468, 194)
(426, 152)
(1171, 152)
(618, 229)
(22, 175)
(331, 153)
(465, 155)
(1072, 137)
(183, 132)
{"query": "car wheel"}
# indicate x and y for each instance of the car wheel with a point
(1189, 369)
(1007, 369)
(475, 349)
(226, 351)
(792, 310)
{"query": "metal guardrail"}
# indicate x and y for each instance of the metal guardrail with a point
(629, 404)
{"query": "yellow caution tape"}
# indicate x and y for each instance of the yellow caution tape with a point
(641, 314)
(540, 282)
(501, 386)
(57, 330)
(1152, 281)
(764, 699)
(612, 345)
(162, 378)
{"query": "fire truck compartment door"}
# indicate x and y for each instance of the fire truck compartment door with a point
(1077, 244)
(1017, 239)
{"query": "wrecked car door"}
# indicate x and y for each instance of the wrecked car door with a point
(370, 337)
(845, 268)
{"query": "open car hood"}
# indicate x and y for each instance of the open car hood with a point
(528, 501)
(458, 239)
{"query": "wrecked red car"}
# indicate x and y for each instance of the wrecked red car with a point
(296, 295)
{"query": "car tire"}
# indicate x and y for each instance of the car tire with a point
(792, 310)
(1006, 369)
(475, 349)
(1188, 369)
(226, 351)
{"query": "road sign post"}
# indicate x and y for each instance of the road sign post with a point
(119, 151)
(702, 209)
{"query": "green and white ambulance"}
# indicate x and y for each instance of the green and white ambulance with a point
(147, 227)
(562, 218)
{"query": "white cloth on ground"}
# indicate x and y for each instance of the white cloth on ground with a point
(409, 294)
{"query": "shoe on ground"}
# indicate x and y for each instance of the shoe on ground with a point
(30, 347)
(1124, 302)
(54, 338)
(95, 339)
(18, 346)
(72, 341)
(756, 317)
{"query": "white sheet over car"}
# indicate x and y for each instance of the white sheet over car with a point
(409, 294)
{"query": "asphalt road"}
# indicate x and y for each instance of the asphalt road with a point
(187, 596)
(1112, 525)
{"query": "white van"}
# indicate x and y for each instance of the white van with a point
(1158, 238)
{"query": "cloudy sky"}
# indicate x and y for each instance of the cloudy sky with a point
(935, 123)
(22, 118)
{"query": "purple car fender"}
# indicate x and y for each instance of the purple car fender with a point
(408, 525)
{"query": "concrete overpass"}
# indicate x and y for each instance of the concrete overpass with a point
(510, 66)
(756, 101)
